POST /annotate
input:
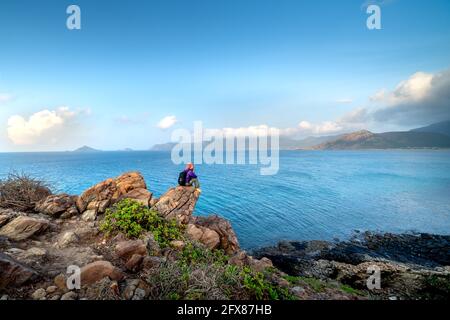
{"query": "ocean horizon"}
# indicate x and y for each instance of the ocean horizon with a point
(316, 195)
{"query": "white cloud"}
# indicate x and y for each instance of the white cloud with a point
(421, 99)
(167, 122)
(414, 88)
(42, 125)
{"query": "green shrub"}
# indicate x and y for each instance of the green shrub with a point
(132, 218)
(351, 290)
(200, 273)
(260, 288)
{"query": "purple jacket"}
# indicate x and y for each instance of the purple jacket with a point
(190, 175)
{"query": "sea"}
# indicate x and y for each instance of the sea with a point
(316, 195)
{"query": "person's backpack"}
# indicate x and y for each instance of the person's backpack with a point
(182, 178)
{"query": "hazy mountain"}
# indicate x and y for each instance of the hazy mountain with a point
(86, 149)
(163, 146)
(313, 141)
(433, 136)
(285, 143)
(389, 140)
(441, 127)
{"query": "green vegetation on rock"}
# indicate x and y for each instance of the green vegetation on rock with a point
(201, 273)
(132, 218)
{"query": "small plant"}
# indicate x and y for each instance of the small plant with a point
(315, 284)
(257, 284)
(21, 192)
(351, 290)
(132, 218)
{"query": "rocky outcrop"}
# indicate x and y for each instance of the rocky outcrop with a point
(140, 195)
(23, 227)
(178, 203)
(215, 232)
(14, 273)
(96, 199)
(241, 258)
(410, 264)
(58, 205)
(208, 237)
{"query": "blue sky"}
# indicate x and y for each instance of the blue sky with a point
(229, 63)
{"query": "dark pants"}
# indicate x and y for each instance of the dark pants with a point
(194, 182)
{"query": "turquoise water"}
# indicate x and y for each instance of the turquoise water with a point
(315, 195)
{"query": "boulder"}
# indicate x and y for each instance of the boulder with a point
(150, 262)
(14, 273)
(67, 239)
(208, 237)
(177, 244)
(126, 249)
(177, 203)
(222, 227)
(23, 227)
(3, 219)
(134, 263)
(140, 195)
(39, 294)
(241, 258)
(98, 270)
(58, 205)
(71, 295)
(31, 257)
(106, 193)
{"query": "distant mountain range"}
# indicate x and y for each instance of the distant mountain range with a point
(433, 136)
(86, 149)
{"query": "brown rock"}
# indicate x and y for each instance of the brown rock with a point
(134, 263)
(58, 205)
(98, 270)
(107, 192)
(60, 282)
(140, 195)
(3, 219)
(228, 239)
(241, 258)
(14, 273)
(23, 227)
(208, 237)
(178, 203)
(151, 262)
(177, 244)
(126, 249)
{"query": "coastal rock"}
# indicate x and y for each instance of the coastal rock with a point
(208, 237)
(98, 270)
(29, 257)
(140, 195)
(106, 193)
(241, 258)
(39, 294)
(68, 238)
(410, 264)
(23, 227)
(134, 263)
(71, 295)
(222, 227)
(177, 244)
(126, 249)
(3, 219)
(150, 262)
(58, 205)
(14, 273)
(178, 203)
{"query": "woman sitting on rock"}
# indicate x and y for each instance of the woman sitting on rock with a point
(191, 177)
